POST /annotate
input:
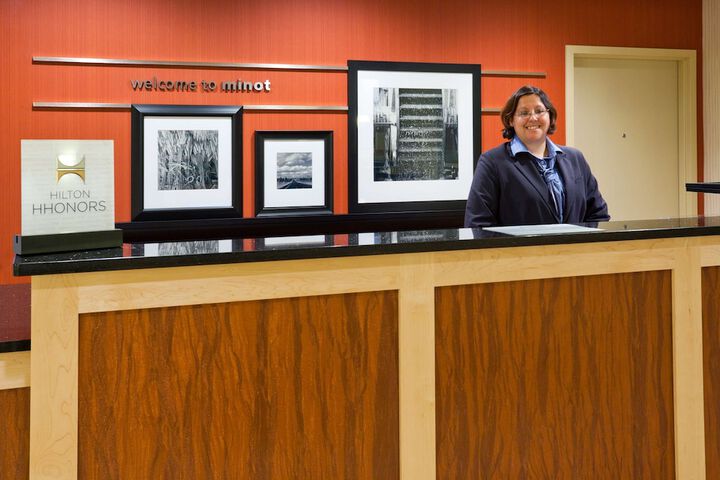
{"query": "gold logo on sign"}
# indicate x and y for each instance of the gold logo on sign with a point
(65, 169)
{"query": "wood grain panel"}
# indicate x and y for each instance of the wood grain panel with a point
(417, 371)
(14, 370)
(15, 428)
(289, 388)
(711, 368)
(556, 378)
(688, 365)
(54, 377)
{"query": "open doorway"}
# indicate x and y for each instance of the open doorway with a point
(632, 112)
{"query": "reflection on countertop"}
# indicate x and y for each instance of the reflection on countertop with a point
(239, 250)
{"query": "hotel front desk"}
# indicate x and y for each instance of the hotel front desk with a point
(448, 354)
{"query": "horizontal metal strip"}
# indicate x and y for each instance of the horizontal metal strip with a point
(510, 73)
(82, 105)
(250, 108)
(166, 63)
(334, 108)
(126, 106)
(238, 66)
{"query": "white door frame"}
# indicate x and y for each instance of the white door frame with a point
(687, 105)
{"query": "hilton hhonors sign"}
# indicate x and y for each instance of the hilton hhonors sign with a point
(67, 186)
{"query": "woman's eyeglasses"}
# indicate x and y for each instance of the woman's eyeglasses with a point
(537, 113)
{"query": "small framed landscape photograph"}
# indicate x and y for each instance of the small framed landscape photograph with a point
(413, 135)
(293, 173)
(186, 162)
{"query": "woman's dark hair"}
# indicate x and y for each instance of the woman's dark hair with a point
(508, 111)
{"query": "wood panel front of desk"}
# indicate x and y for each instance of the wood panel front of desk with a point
(283, 388)
(556, 378)
(15, 437)
(575, 361)
(711, 367)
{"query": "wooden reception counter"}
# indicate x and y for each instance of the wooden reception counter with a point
(449, 354)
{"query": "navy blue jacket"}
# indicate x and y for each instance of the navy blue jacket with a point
(509, 190)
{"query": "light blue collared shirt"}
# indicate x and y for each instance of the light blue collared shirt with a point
(547, 168)
(516, 146)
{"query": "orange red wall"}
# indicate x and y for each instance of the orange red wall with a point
(499, 34)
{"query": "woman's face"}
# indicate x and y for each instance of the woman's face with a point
(531, 120)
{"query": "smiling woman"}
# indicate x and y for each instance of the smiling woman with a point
(530, 180)
(531, 123)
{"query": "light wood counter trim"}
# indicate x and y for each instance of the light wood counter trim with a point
(14, 370)
(54, 386)
(472, 266)
(688, 366)
(152, 288)
(710, 255)
(416, 345)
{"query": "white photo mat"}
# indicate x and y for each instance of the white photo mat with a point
(301, 197)
(153, 197)
(371, 191)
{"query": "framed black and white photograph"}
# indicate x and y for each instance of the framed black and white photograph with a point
(413, 135)
(293, 173)
(186, 162)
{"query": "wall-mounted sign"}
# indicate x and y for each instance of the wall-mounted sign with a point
(177, 85)
(67, 186)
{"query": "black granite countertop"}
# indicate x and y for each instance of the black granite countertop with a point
(239, 250)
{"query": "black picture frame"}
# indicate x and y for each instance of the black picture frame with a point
(407, 182)
(212, 189)
(307, 186)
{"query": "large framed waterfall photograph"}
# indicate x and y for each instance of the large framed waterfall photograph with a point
(186, 162)
(413, 135)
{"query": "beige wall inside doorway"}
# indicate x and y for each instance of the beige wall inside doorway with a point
(647, 95)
